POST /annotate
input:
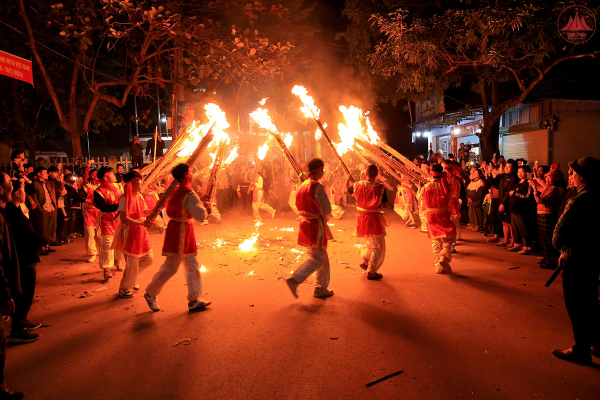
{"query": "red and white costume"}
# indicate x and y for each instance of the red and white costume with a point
(106, 197)
(313, 206)
(406, 207)
(133, 240)
(258, 198)
(91, 221)
(454, 202)
(370, 221)
(180, 242)
(436, 197)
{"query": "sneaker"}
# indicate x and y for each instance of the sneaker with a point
(136, 287)
(293, 285)
(91, 259)
(31, 326)
(363, 266)
(574, 356)
(120, 268)
(453, 248)
(205, 222)
(11, 394)
(107, 274)
(50, 250)
(321, 293)
(198, 305)
(152, 302)
(23, 336)
(125, 293)
(523, 252)
(374, 276)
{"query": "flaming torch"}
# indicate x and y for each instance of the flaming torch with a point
(211, 186)
(311, 111)
(262, 117)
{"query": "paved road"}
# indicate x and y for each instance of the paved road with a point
(484, 332)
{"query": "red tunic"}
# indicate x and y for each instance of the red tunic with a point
(368, 214)
(180, 240)
(435, 198)
(454, 186)
(313, 230)
(108, 224)
(134, 240)
(91, 212)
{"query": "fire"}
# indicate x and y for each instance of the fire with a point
(318, 133)
(262, 117)
(262, 150)
(296, 251)
(373, 137)
(197, 131)
(202, 268)
(256, 225)
(263, 101)
(248, 244)
(288, 140)
(287, 229)
(213, 156)
(309, 109)
(350, 130)
(232, 156)
(251, 273)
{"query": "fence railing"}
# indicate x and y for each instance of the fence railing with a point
(96, 163)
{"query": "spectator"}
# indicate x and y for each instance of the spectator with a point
(9, 280)
(119, 174)
(507, 184)
(137, 153)
(476, 192)
(43, 215)
(522, 210)
(160, 147)
(576, 236)
(74, 201)
(493, 182)
(63, 216)
(547, 197)
(18, 162)
(26, 242)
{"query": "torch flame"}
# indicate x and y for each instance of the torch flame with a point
(262, 117)
(215, 115)
(373, 137)
(248, 244)
(352, 129)
(318, 133)
(263, 101)
(262, 150)
(232, 156)
(288, 140)
(309, 109)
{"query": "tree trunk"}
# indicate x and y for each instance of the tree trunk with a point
(76, 142)
(488, 139)
(31, 148)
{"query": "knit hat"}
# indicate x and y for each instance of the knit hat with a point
(587, 167)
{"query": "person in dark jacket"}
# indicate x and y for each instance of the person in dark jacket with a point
(522, 213)
(509, 181)
(43, 194)
(10, 286)
(27, 243)
(75, 199)
(160, 147)
(547, 197)
(577, 236)
(476, 192)
(137, 153)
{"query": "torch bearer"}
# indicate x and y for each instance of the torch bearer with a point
(310, 107)
(190, 161)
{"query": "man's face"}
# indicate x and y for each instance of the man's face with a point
(53, 174)
(508, 169)
(120, 169)
(29, 170)
(577, 180)
(135, 184)
(6, 189)
(539, 173)
(43, 175)
(521, 173)
(110, 177)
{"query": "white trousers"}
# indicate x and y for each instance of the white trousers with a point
(91, 234)
(108, 256)
(133, 266)
(261, 205)
(456, 219)
(169, 268)
(318, 261)
(442, 252)
(336, 211)
(292, 201)
(214, 211)
(374, 254)
(423, 217)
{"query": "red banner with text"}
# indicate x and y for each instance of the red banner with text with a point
(16, 67)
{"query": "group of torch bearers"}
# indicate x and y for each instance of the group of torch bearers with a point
(122, 214)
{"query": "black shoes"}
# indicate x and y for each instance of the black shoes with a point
(573, 355)
(23, 336)
(31, 326)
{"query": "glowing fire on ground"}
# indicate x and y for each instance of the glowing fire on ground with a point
(287, 229)
(309, 109)
(248, 244)
(202, 268)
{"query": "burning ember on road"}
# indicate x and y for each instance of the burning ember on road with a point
(202, 268)
(287, 229)
(248, 244)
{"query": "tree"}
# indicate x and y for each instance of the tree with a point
(118, 48)
(506, 49)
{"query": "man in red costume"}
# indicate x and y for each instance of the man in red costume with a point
(106, 199)
(436, 196)
(91, 218)
(132, 235)
(454, 183)
(180, 243)
(370, 196)
(314, 207)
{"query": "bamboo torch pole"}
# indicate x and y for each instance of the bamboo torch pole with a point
(191, 160)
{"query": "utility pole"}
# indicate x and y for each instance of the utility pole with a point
(137, 133)
(178, 95)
